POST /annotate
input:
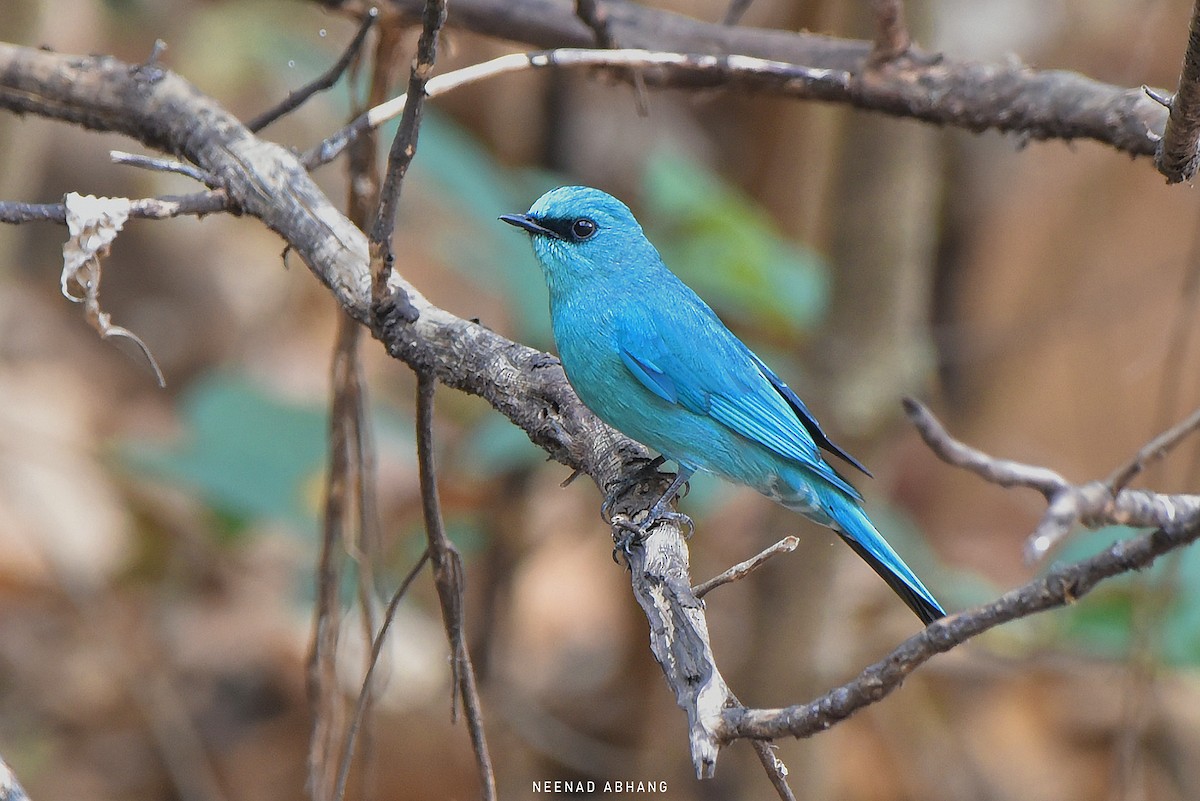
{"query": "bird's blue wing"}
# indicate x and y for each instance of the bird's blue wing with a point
(650, 374)
(693, 361)
(806, 417)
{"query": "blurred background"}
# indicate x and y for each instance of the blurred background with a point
(157, 548)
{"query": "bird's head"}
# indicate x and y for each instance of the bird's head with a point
(578, 231)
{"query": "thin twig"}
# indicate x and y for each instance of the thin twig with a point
(364, 694)
(998, 471)
(736, 9)
(1178, 153)
(362, 198)
(340, 495)
(404, 145)
(594, 15)
(1009, 97)
(776, 770)
(743, 569)
(1092, 504)
(1152, 451)
(153, 208)
(162, 165)
(326, 81)
(448, 577)
(891, 34)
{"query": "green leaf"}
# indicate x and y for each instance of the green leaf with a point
(728, 250)
(248, 453)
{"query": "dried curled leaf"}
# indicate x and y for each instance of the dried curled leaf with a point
(94, 223)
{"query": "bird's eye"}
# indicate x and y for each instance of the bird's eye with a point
(582, 229)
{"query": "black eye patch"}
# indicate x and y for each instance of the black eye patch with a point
(569, 229)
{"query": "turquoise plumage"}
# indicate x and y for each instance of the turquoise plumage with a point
(651, 359)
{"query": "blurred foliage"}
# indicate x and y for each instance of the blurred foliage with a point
(474, 189)
(252, 454)
(1019, 313)
(725, 246)
(1103, 623)
(247, 452)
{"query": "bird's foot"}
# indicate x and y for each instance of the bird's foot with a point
(634, 534)
(644, 472)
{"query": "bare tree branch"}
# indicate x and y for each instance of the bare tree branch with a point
(736, 9)
(343, 486)
(404, 145)
(679, 640)
(776, 771)
(364, 694)
(1152, 451)
(325, 81)
(891, 33)
(743, 569)
(1061, 586)
(1178, 154)
(595, 17)
(997, 471)
(1178, 524)
(449, 579)
(155, 208)
(1010, 97)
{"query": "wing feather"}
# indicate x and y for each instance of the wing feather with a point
(721, 378)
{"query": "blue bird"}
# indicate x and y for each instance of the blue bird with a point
(652, 360)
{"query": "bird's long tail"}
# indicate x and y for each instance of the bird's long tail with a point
(852, 523)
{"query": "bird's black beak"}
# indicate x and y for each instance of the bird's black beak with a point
(529, 224)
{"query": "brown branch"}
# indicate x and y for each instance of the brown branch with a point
(362, 169)
(324, 81)
(891, 33)
(1011, 98)
(743, 569)
(1061, 586)
(736, 9)
(997, 471)
(448, 577)
(342, 488)
(1178, 153)
(404, 145)
(160, 165)
(773, 765)
(592, 13)
(1152, 451)
(1176, 520)
(364, 694)
(1093, 504)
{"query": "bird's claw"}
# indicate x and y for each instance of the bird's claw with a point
(624, 544)
(634, 534)
(643, 473)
